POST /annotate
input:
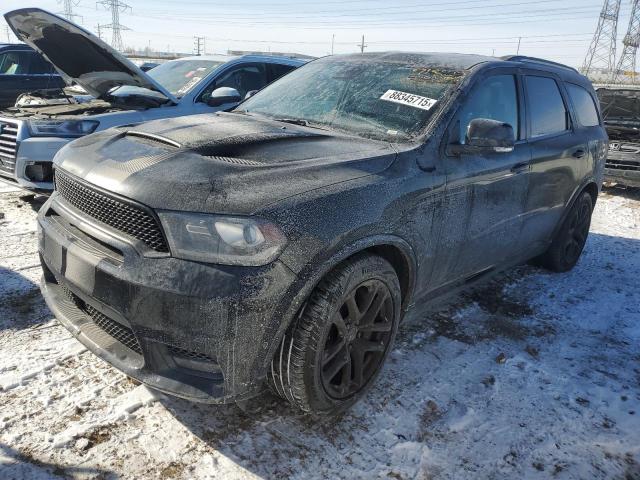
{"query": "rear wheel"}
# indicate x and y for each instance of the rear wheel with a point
(335, 349)
(567, 246)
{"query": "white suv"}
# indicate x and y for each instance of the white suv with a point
(119, 93)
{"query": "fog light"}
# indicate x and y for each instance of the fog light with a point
(39, 172)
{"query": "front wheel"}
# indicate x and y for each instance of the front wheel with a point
(567, 246)
(334, 351)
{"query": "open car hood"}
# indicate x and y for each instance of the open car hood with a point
(78, 55)
(620, 105)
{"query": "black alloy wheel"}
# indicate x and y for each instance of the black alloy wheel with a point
(334, 350)
(357, 339)
(569, 242)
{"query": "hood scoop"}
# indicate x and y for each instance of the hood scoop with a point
(238, 161)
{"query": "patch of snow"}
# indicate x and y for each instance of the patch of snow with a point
(544, 382)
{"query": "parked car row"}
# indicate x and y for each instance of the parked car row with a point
(282, 241)
(119, 93)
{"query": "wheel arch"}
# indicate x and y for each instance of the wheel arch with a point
(590, 186)
(394, 249)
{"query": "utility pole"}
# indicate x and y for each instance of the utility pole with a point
(99, 31)
(67, 9)
(8, 32)
(199, 45)
(362, 45)
(627, 62)
(333, 41)
(602, 51)
(116, 6)
(519, 42)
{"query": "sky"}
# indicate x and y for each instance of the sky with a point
(553, 29)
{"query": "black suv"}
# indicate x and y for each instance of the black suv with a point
(282, 243)
(22, 70)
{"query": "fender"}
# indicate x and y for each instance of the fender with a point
(574, 197)
(309, 278)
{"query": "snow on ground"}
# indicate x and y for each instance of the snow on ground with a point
(534, 376)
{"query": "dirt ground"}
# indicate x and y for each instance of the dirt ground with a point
(535, 375)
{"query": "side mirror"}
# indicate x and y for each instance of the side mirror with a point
(250, 94)
(222, 96)
(486, 136)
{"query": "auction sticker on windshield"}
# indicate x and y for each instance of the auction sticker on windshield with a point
(404, 98)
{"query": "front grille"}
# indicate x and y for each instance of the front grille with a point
(8, 146)
(122, 334)
(181, 352)
(134, 220)
(115, 330)
(616, 164)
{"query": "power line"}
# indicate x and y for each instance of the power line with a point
(67, 9)
(361, 45)
(116, 6)
(627, 62)
(199, 45)
(602, 51)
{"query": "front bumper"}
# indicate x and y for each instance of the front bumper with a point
(27, 161)
(198, 331)
(623, 165)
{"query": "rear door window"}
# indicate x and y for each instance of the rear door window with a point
(548, 113)
(584, 105)
(495, 98)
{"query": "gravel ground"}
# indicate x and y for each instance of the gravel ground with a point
(533, 376)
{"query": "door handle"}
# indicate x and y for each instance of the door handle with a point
(520, 167)
(579, 153)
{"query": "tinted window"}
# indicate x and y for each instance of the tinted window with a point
(244, 79)
(39, 65)
(14, 63)
(276, 71)
(547, 111)
(584, 105)
(494, 98)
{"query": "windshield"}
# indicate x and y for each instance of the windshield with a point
(375, 98)
(177, 77)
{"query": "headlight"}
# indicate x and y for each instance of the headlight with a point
(62, 128)
(221, 239)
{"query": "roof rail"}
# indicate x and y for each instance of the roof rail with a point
(522, 58)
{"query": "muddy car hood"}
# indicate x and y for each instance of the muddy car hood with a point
(220, 163)
(78, 55)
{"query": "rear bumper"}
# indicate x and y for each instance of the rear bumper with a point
(197, 331)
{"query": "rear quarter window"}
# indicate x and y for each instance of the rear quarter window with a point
(584, 105)
(548, 113)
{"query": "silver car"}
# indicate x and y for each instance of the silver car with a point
(113, 91)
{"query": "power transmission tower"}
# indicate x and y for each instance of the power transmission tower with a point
(627, 62)
(362, 45)
(116, 6)
(199, 45)
(67, 9)
(602, 51)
